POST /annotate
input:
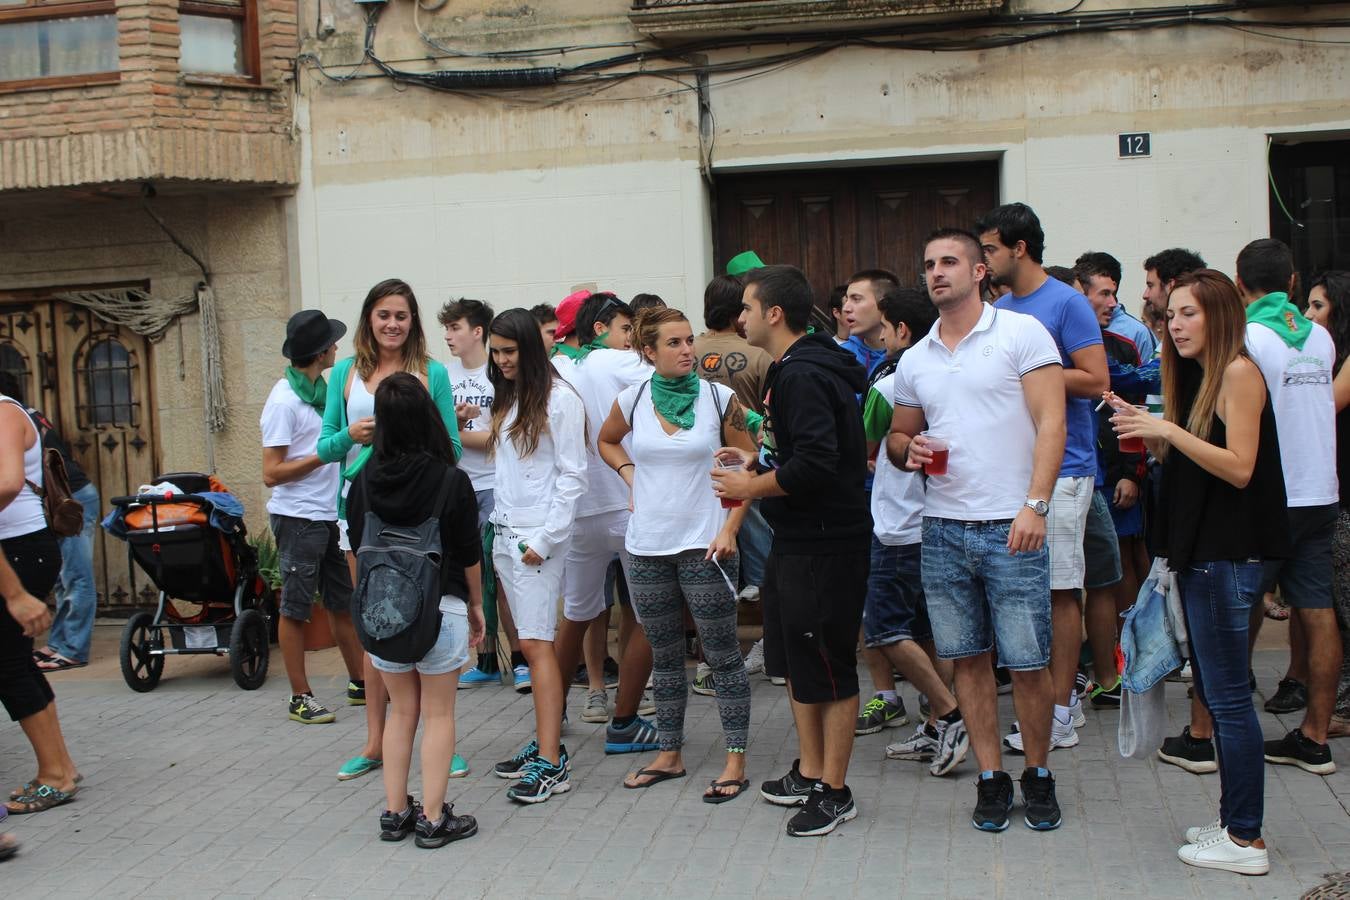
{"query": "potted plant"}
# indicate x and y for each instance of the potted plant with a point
(318, 631)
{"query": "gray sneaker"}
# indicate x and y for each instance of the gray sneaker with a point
(922, 745)
(952, 745)
(647, 706)
(879, 714)
(597, 707)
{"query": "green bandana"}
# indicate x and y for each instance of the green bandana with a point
(1282, 317)
(674, 398)
(315, 392)
(567, 350)
(597, 344)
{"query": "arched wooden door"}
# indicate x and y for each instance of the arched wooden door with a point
(93, 380)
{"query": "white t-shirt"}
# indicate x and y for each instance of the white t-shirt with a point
(600, 378)
(1299, 382)
(897, 494)
(674, 507)
(972, 396)
(473, 386)
(538, 494)
(287, 421)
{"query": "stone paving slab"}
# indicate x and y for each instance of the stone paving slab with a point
(200, 789)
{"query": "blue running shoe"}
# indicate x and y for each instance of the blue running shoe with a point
(476, 677)
(639, 736)
(522, 679)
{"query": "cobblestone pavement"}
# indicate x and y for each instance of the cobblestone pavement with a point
(200, 789)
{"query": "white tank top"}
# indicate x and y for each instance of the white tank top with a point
(25, 514)
(360, 403)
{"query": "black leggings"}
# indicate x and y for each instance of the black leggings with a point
(24, 690)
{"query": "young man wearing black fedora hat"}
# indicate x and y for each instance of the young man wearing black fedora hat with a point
(303, 506)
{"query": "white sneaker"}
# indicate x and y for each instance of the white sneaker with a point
(920, 745)
(1219, 852)
(1062, 734)
(754, 659)
(778, 680)
(1076, 712)
(1202, 833)
(749, 593)
(647, 706)
(953, 743)
(596, 709)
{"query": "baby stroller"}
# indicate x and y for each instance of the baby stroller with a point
(193, 547)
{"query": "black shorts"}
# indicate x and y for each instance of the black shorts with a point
(310, 561)
(813, 608)
(36, 559)
(1304, 579)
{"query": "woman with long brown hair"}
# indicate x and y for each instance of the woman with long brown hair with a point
(538, 445)
(388, 339)
(1222, 510)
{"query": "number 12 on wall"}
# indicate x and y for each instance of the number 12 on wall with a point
(1136, 144)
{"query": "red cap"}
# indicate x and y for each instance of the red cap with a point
(567, 312)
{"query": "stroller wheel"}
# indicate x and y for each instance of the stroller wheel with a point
(140, 669)
(248, 650)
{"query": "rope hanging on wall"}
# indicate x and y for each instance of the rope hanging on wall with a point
(149, 317)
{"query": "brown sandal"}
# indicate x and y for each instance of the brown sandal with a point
(40, 800)
(34, 785)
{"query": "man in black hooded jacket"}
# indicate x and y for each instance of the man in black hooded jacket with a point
(811, 473)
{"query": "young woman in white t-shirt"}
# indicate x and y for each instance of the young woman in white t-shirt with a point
(680, 549)
(538, 446)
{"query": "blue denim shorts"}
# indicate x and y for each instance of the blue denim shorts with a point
(448, 654)
(980, 596)
(1101, 546)
(895, 609)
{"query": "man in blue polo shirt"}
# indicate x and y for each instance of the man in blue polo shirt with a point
(1013, 244)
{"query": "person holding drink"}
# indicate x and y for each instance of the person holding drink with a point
(681, 553)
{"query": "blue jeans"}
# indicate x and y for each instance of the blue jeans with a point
(979, 595)
(895, 609)
(1217, 598)
(753, 543)
(76, 595)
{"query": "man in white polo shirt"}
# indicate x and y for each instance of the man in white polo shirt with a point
(991, 384)
(303, 507)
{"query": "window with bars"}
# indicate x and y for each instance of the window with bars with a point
(44, 43)
(219, 38)
(108, 374)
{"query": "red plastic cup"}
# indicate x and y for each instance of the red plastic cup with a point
(1133, 444)
(727, 502)
(938, 447)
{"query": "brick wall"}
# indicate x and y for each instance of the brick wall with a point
(155, 122)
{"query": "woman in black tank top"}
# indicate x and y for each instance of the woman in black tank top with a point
(1222, 511)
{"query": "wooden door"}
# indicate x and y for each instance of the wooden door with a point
(833, 222)
(93, 380)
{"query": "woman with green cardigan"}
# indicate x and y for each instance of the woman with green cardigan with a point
(388, 339)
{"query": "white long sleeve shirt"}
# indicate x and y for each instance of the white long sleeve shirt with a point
(537, 495)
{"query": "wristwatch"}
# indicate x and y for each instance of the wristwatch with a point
(1039, 507)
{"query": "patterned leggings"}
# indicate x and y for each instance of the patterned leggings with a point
(1340, 587)
(661, 587)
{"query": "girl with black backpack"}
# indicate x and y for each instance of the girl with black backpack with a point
(410, 485)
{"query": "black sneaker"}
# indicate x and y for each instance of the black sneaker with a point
(994, 799)
(541, 780)
(1038, 796)
(1296, 750)
(304, 709)
(611, 672)
(515, 766)
(1003, 680)
(395, 826)
(790, 790)
(449, 827)
(1106, 698)
(824, 810)
(1251, 680)
(1195, 755)
(1081, 683)
(356, 693)
(1290, 696)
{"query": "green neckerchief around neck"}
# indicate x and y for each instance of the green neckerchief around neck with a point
(567, 350)
(674, 398)
(315, 392)
(597, 343)
(1282, 317)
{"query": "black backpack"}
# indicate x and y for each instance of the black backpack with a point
(396, 606)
